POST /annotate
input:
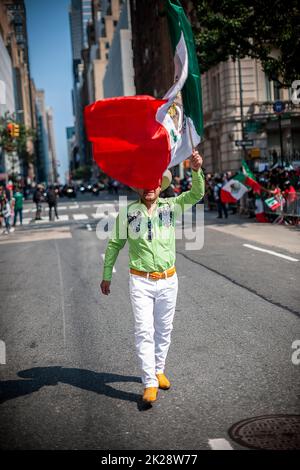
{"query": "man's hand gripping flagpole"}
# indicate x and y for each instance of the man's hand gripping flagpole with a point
(195, 158)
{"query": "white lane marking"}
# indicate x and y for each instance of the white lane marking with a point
(62, 292)
(88, 226)
(103, 256)
(26, 221)
(73, 207)
(219, 444)
(25, 211)
(62, 208)
(270, 252)
(62, 218)
(2, 353)
(80, 216)
(85, 206)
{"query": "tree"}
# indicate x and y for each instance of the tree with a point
(82, 173)
(16, 144)
(254, 28)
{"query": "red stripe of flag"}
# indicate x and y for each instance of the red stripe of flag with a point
(128, 143)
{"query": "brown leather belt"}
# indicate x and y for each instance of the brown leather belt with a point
(155, 275)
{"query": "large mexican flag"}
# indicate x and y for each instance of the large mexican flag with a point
(136, 138)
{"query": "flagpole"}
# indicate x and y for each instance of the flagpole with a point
(191, 137)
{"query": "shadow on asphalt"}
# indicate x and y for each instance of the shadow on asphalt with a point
(97, 382)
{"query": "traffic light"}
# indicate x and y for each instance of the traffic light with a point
(16, 132)
(10, 129)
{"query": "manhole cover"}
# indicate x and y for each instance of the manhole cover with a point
(280, 432)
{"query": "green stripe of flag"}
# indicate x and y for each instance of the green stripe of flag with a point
(191, 92)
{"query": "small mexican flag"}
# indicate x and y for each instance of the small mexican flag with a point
(234, 189)
(136, 138)
(272, 203)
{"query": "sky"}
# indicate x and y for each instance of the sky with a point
(51, 65)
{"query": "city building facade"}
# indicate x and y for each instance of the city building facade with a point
(238, 98)
(92, 27)
(53, 162)
(44, 173)
(119, 75)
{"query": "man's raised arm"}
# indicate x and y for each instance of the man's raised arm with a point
(197, 191)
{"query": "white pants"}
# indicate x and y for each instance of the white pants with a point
(153, 303)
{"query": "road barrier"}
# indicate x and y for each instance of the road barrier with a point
(288, 209)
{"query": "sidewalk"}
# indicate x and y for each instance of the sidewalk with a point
(277, 236)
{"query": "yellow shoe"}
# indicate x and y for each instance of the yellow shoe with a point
(163, 382)
(150, 394)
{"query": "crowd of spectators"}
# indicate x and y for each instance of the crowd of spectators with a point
(282, 183)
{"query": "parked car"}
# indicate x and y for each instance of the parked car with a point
(70, 191)
(97, 187)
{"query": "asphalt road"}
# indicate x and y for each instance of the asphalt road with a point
(71, 378)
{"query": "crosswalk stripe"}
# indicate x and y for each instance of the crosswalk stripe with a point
(80, 216)
(99, 215)
(104, 205)
(63, 218)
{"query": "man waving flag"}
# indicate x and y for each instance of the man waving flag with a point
(136, 138)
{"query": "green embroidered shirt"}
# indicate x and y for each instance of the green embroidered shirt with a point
(151, 238)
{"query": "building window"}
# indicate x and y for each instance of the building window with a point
(268, 89)
(216, 100)
(276, 91)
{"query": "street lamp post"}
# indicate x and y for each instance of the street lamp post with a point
(279, 107)
(241, 106)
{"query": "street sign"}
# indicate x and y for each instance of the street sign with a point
(279, 107)
(244, 143)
